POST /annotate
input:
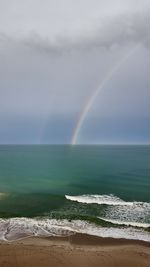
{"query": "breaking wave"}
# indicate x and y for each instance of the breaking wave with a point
(118, 211)
(134, 224)
(102, 200)
(17, 228)
(117, 219)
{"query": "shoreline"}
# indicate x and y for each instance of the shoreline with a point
(75, 250)
(77, 239)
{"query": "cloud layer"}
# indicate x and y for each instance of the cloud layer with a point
(54, 54)
(106, 32)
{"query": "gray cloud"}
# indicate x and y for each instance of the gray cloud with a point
(118, 30)
(54, 54)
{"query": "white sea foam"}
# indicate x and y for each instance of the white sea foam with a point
(136, 215)
(134, 224)
(117, 210)
(101, 199)
(16, 228)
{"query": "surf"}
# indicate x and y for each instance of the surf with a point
(102, 200)
(134, 224)
(18, 228)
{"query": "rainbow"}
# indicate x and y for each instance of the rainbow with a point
(94, 94)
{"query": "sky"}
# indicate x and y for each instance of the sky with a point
(74, 67)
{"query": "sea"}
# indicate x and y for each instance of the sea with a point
(61, 190)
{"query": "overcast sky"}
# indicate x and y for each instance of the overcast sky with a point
(54, 54)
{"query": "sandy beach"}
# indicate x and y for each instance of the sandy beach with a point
(77, 250)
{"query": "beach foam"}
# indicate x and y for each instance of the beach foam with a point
(16, 228)
(118, 211)
(134, 224)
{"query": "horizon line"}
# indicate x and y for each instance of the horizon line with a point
(83, 144)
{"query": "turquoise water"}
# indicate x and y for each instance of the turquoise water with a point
(34, 180)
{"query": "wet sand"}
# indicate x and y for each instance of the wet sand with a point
(77, 250)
